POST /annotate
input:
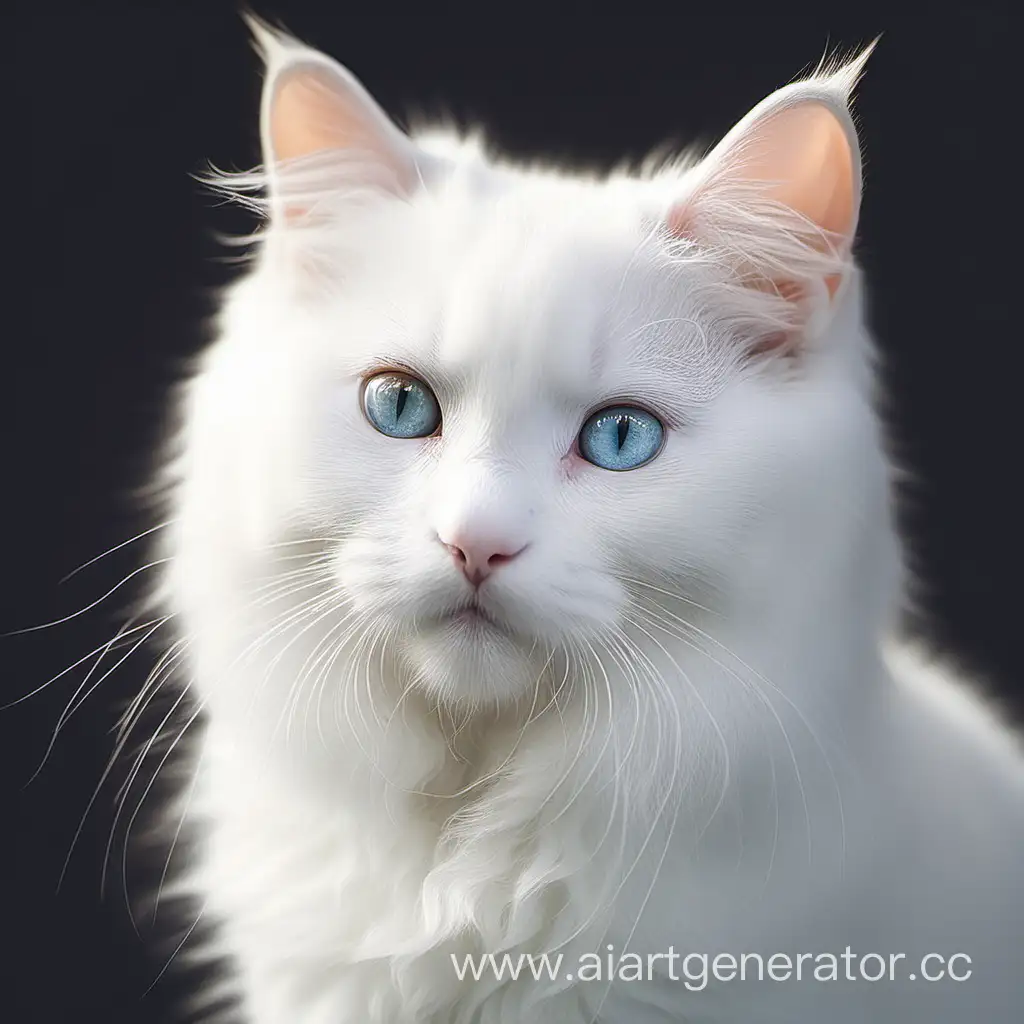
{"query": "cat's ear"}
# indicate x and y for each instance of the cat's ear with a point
(320, 128)
(779, 196)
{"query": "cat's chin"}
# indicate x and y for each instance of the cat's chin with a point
(469, 658)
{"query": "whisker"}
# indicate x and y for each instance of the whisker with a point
(116, 547)
(91, 605)
(85, 657)
(177, 950)
(72, 706)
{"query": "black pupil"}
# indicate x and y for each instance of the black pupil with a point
(623, 426)
(401, 398)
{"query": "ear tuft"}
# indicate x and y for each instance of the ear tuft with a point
(267, 40)
(843, 74)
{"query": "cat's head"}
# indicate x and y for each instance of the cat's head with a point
(521, 403)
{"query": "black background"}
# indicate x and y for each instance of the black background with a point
(111, 265)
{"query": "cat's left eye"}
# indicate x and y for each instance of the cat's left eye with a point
(621, 437)
(400, 405)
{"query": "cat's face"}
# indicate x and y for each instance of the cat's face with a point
(580, 430)
(529, 399)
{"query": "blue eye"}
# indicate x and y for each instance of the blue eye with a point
(621, 437)
(401, 406)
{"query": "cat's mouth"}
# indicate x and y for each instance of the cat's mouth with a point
(472, 615)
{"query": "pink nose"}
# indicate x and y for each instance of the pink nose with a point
(476, 560)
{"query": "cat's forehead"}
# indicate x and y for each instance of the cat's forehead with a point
(539, 290)
(506, 293)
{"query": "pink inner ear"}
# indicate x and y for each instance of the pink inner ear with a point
(803, 156)
(308, 116)
(317, 109)
(805, 153)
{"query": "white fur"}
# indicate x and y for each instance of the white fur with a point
(694, 741)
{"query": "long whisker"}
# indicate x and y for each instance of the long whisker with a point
(72, 706)
(177, 950)
(85, 657)
(117, 547)
(92, 604)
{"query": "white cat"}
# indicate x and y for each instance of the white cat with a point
(532, 547)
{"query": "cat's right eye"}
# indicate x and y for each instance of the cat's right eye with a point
(400, 405)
